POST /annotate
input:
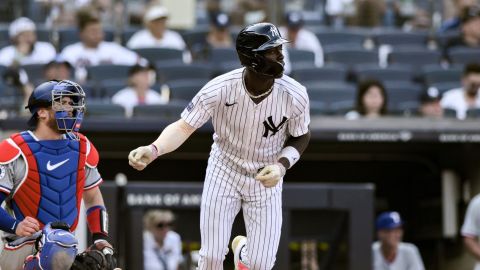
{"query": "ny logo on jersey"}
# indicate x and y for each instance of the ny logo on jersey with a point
(270, 126)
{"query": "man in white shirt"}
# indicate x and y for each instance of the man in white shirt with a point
(466, 97)
(25, 48)
(156, 34)
(471, 229)
(389, 252)
(92, 50)
(301, 38)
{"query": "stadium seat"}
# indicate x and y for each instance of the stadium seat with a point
(330, 72)
(99, 73)
(331, 92)
(109, 110)
(390, 73)
(223, 55)
(446, 86)
(185, 89)
(436, 74)
(128, 33)
(416, 58)
(108, 88)
(43, 34)
(4, 37)
(463, 56)
(160, 54)
(195, 37)
(34, 72)
(330, 38)
(400, 38)
(170, 111)
(341, 107)
(301, 57)
(473, 113)
(401, 92)
(449, 113)
(351, 56)
(318, 108)
(177, 71)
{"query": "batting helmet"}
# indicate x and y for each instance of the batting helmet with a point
(51, 94)
(389, 220)
(255, 39)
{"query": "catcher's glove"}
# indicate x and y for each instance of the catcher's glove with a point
(98, 256)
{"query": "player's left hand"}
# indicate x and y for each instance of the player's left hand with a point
(271, 174)
(108, 251)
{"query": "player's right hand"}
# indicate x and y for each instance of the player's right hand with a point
(141, 157)
(27, 227)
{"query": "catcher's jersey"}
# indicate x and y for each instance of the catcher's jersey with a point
(249, 136)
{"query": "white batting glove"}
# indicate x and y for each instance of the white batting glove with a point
(142, 156)
(271, 174)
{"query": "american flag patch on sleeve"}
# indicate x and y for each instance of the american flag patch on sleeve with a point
(190, 106)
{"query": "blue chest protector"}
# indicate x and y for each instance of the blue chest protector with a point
(58, 165)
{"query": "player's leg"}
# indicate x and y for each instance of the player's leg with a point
(262, 212)
(13, 257)
(221, 202)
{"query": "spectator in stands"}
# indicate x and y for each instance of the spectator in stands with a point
(371, 101)
(219, 35)
(466, 97)
(454, 23)
(389, 252)
(369, 13)
(138, 91)
(25, 48)
(430, 103)
(301, 38)
(58, 69)
(471, 229)
(470, 36)
(156, 33)
(92, 49)
(162, 247)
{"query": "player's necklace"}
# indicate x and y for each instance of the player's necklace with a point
(250, 94)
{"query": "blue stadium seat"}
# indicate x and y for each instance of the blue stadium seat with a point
(330, 72)
(351, 56)
(185, 89)
(329, 38)
(446, 86)
(398, 93)
(437, 74)
(390, 73)
(100, 73)
(167, 112)
(473, 113)
(34, 72)
(160, 54)
(463, 55)
(127, 33)
(400, 38)
(104, 110)
(318, 108)
(195, 37)
(341, 107)
(222, 55)
(416, 58)
(331, 92)
(177, 71)
(301, 57)
(108, 88)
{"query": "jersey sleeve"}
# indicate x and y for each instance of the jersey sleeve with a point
(299, 124)
(471, 224)
(12, 174)
(92, 178)
(199, 110)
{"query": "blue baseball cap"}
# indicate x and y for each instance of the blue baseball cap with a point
(294, 19)
(389, 220)
(220, 20)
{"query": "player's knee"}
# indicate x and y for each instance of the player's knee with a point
(212, 260)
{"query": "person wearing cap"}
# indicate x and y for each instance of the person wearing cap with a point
(25, 48)
(138, 91)
(301, 38)
(58, 69)
(470, 30)
(156, 34)
(466, 97)
(430, 103)
(453, 13)
(389, 252)
(219, 34)
(92, 50)
(162, 247)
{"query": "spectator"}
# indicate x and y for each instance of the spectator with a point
(466, 97)
(454, 23)
(25, 48)
(301, 38)
(138, 91)
(369, 13)
(92, 49)
(162, 247)
(471, 228)
(389, 252)
(470, 36)
(371, 101)
(430, 103)
(156, 33)
(218, 36)
(58, 69)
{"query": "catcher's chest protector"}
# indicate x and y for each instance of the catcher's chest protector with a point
(53, 187)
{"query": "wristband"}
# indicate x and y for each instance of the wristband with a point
(154, 150)
(291, 154)
(97, 219)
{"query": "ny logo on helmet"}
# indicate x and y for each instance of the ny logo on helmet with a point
(274, 31)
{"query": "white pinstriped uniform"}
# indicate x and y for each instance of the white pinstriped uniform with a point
(247, 137)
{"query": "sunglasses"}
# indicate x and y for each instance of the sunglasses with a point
(162, 225)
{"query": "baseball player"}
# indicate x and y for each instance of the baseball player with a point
(471, 229)
(45, 172)
(390, 253)
(261, 123)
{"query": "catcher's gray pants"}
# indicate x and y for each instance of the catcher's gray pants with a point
(14, 257)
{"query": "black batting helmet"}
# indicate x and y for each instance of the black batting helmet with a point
(255, 39)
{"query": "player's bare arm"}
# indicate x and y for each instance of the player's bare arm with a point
(172, 137)
(472, 246)
(294, 148)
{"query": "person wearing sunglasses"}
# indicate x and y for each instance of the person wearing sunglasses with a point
(162, 247)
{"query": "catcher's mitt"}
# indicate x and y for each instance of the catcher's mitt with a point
(90, 260)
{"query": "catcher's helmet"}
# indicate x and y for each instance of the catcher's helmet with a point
(389, 220)
(255, 39)
(50, 94)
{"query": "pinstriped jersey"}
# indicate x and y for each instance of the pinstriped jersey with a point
(246, 135)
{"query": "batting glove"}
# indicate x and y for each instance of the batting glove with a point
(271, 174)
(142, 156)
